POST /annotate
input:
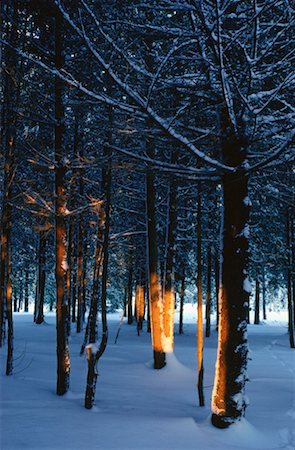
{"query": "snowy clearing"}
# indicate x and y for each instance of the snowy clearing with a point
(136, 406)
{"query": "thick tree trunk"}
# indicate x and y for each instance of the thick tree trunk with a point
(156, 306)
(181, 294)
(208, 295)
(200, 333)
(63, 357)
(228, 400)
(257, 303)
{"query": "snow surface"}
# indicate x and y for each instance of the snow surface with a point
(136, 406)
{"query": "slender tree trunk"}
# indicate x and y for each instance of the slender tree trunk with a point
(41, 279)
(74, 291)
(182, 293)
(139, 303)
(9, 360)
(228, 401)
(263, 294)
(257, 303)
(27, 280)
(169, 287)
(208, 295)
(14, 300)
(91, 327)
(80, 276)
(130, 285)
(217, 283)
(69, 275)
(21, 292)
(63, 357)
(94, 353)
(289, 283)
(200, 335)
(292, 237)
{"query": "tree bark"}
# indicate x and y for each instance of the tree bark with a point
(156, 306)
(26, 291)
(182, 293)
(41, 279)
(200, 333)
(257, 302)
(228, 401)
(208, 295)
(169, 287)
(63, 357)
(130, 285)
(289, 282)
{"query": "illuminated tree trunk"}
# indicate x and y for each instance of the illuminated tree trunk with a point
(41, 279)
(139, 303)
(257, 303)
(200, 333)
(63, 357)
(228, 401)
(156, 306)
(208, 295)
(181, 294)
(169, 287)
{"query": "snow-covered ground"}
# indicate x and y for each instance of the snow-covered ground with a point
(136, 406)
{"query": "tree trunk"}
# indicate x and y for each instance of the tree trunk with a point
(80, 275)
(41, 279)
(289, 283)
(208, 295)
(257, 303)
(27, 291)
(139, 303)
(169, 287)
(63, 357)
(217, 283)
(94, 353)
(154, 285)
(130, 281)
(228, 401)
(263, 294)
(182, 292)
(200, 341)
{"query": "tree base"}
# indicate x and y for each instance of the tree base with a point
(222, 421)
(159, 360)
